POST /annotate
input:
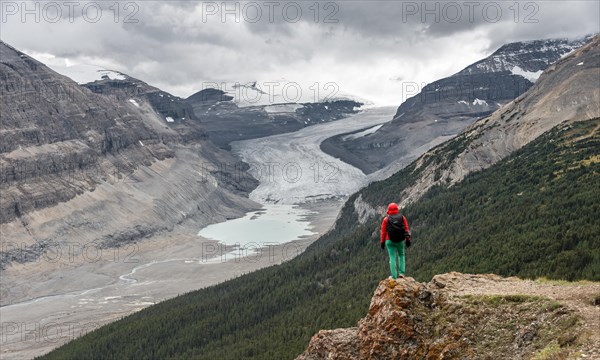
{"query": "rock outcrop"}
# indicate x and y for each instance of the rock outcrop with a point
(399, 325)
(448, 319)
(56, 134)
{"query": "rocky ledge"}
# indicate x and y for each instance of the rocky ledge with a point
(456, 316)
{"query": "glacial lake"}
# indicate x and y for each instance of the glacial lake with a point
(273, 224)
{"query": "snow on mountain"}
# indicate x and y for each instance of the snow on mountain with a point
(359, 134)
(529, 75)
(85, 73)
(281, 92)
(282, 108)
(479, 102)
(525, 58)
(452, 103)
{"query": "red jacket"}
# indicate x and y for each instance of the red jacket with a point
(392, 210)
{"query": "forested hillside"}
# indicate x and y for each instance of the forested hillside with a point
(532, 214)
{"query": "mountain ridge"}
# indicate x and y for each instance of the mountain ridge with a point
(226, 122)
(62, 143)
(565, 91)
(444, 108)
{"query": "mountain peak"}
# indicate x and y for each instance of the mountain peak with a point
(530, 56)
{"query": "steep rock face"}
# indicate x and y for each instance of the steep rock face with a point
(87, 167)
(177, 114)
(338, 344)
(53, 128)
(443, 320)
(445, 107)
(399, 325)
(529, 56)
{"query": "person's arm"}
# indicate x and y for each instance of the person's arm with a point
(408, 236)
(383, 232)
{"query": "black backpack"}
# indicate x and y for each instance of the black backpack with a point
(395, 228)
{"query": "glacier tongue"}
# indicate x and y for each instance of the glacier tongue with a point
(292, 169)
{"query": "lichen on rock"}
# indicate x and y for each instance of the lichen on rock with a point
(438, 320)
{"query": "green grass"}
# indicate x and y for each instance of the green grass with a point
(552, 351)
(497, 300)
(562, 282)
(494, 324)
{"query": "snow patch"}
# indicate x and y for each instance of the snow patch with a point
(463, 102)
(359, 134)
(141, 143)
(581, 63)
(479, 102)
(169, 119)
(264, 93)
(529, 75)
(134, 102)
(283, 108)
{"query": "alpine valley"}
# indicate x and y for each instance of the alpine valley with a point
(497, 169)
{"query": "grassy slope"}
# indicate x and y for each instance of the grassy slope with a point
(533, 214)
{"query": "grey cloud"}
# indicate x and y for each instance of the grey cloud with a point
(170, 45)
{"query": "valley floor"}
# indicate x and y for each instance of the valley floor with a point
(49, 316)
(46, 304)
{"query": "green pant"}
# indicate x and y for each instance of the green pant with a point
(395, 251)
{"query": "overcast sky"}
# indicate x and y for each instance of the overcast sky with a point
(368, 49)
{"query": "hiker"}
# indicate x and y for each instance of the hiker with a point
(394, 234)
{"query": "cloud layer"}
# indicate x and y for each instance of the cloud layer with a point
(368, 48)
